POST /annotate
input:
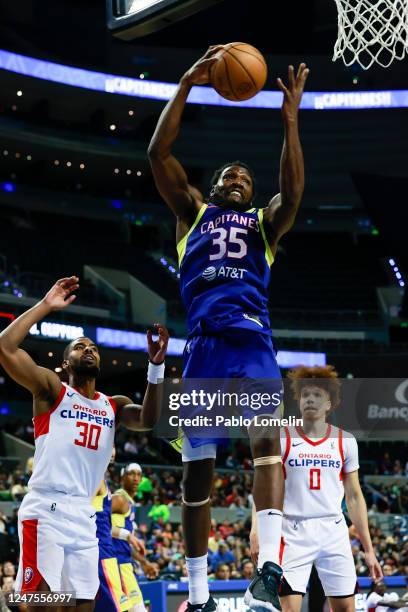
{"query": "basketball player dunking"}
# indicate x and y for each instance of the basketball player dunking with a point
(321, 466)
(226, 248)
(74, 427)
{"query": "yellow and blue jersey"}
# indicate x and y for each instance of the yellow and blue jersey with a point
(122, 549)
(225, 262)
(103, 507)
(110, 596)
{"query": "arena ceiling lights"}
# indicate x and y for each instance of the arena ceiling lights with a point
(129, 19)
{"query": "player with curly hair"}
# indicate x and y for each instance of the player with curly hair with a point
(320, 464)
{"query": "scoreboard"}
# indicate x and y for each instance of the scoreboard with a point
(130, 19)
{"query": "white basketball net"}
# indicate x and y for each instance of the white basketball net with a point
(371, 31)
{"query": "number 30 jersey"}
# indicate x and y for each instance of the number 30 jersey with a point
(225, 265)
(314, 469)
(73, 444)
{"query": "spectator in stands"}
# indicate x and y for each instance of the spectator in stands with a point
(159, 511)
(247, 570)
(7, 584)
(3, 605)
(9, 569)
(3, 523)
(223, 555)
(386, 464)
(19, 487)
(226, 529)
(378, 597)
(214, 541)
(144, 490)
(130, 447)
(231, 461)
(29, 467)
(223, 572)
(397, 469)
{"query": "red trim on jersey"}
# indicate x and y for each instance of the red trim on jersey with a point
(281, 549)
(96, 396)
(287, 450)
(113, 404)
(341, 452)
(31, 577)
(306, 439)
(42, 421)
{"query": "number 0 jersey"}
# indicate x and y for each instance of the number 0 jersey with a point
(314, 471)
(224, 271)
(73, 444)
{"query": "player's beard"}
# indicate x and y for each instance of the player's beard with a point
(219, 197)
(85, 371)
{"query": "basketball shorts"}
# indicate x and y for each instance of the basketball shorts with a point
(240, 363)
(58, 543)
(110, 597)
(325, 543)
(129, 584)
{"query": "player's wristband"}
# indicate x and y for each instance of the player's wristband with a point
(124, 534)
(155, 372)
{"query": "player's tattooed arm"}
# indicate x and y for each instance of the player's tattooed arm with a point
(281, 212)
(43, 383)
(357, 510)
(143, 418)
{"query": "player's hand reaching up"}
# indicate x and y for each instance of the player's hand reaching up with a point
(199, 73)
(374, 567)
(292, 93)
(157, 348)
(61, 294)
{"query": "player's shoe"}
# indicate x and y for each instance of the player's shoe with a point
(209, 606)
(262, 593)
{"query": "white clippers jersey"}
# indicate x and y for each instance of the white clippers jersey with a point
(73, 443)
(314, 471)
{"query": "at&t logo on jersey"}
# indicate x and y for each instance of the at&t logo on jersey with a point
(211, 272)
(28, 574)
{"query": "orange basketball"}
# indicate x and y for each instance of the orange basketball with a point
(239, 72)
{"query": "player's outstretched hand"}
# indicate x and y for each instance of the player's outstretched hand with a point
(158, 348)
(61, 294)
(374, 567)
(199, 73)
(292, 93)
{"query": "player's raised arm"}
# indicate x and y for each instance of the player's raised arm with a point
(17, 363)
(145, 417)
(169, 175)
(280, 214)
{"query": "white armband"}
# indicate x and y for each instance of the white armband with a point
(155, 372)
(124, 534)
